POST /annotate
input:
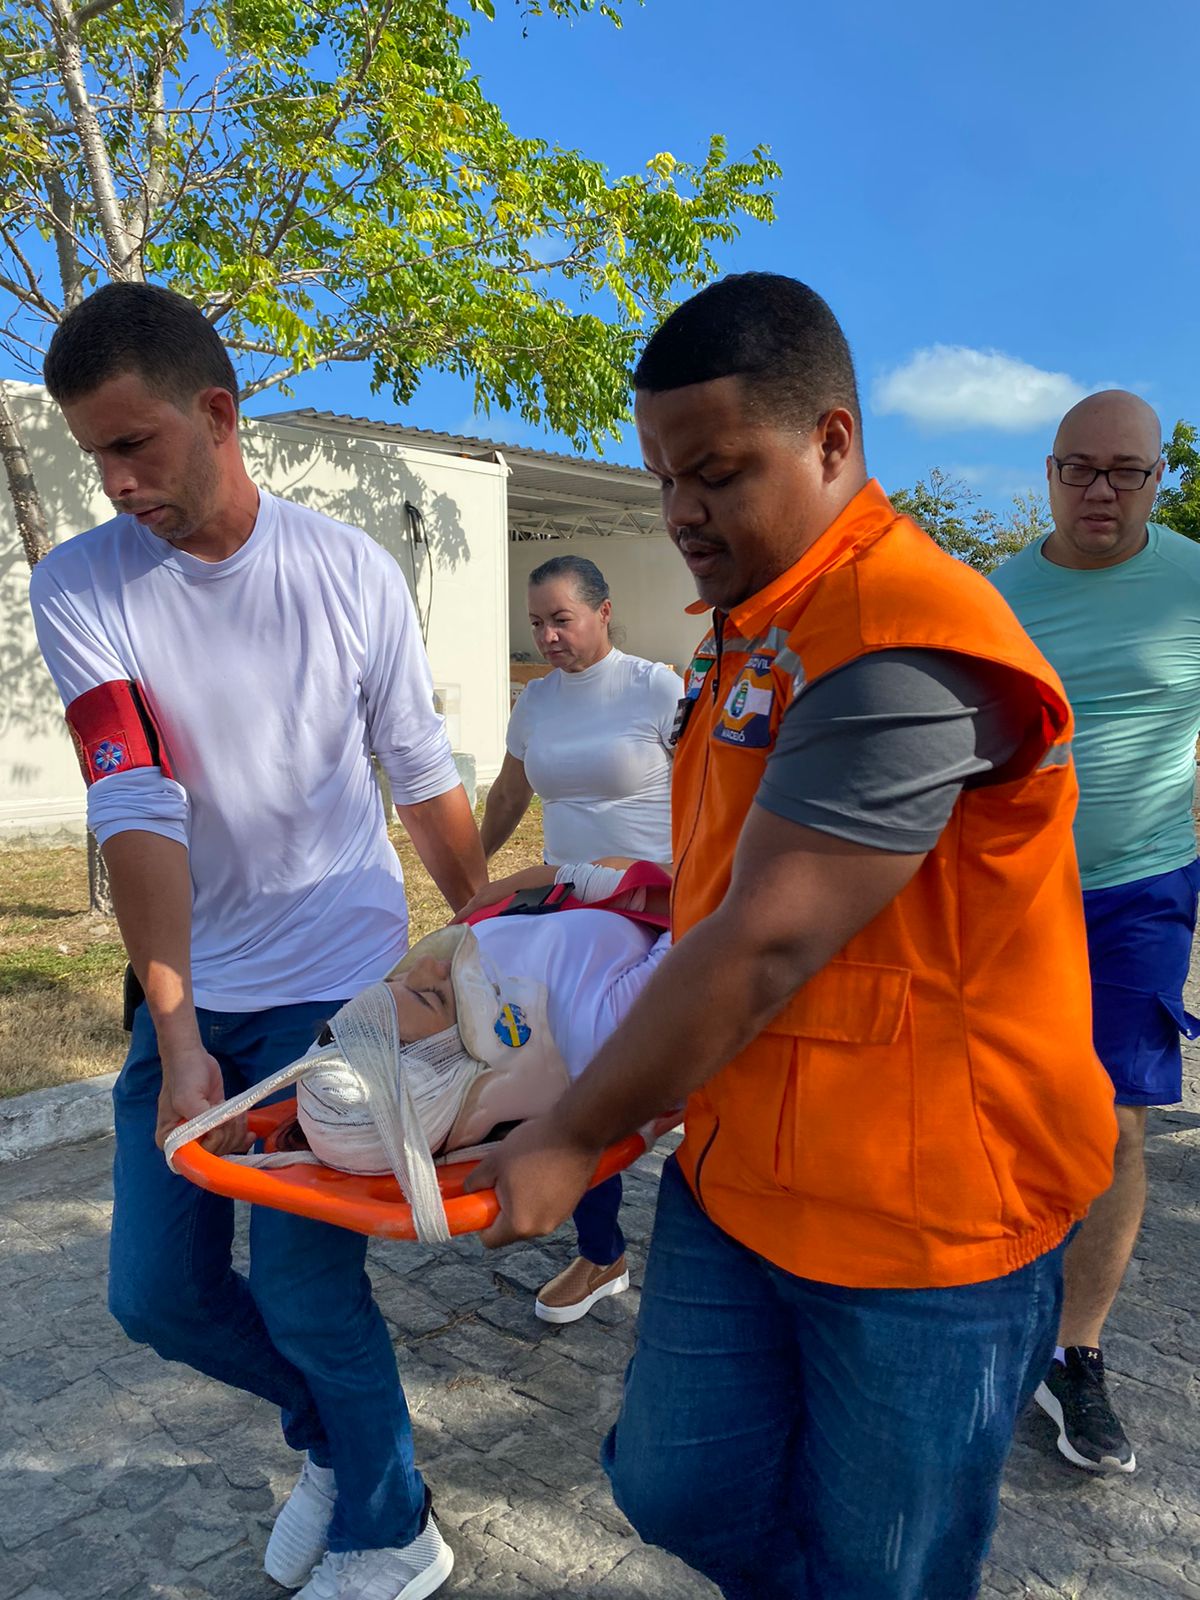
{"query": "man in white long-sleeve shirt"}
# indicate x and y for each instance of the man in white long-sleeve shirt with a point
(229, 663)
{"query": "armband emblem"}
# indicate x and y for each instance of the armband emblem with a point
(109, 756)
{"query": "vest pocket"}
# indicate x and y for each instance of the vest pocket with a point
(848, 1002)
(847, 1123)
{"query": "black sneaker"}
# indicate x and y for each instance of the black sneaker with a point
(1075, 1398)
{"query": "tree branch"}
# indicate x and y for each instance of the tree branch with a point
(54, 125)
(69, 54)
(186, 183)
(353, 350)
(29, 297)
(154, 179)
(39, 208)
(32, 293)
(27, 503)
(62, 210)
(97, 8)
(17, 344)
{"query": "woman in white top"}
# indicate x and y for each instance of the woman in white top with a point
(593, 739)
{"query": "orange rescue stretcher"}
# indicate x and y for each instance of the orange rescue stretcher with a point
(368, 1204)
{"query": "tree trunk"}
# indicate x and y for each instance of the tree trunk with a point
(99, 889)
(27, 502)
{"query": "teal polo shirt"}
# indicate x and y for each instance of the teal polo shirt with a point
(1125, 641)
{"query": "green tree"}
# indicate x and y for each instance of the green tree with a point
(949, 511)
(1028, 519)
(329, 181)
(1179, 506)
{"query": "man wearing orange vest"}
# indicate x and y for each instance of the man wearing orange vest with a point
(877, 1008)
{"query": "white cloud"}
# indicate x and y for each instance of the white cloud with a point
(951, 386)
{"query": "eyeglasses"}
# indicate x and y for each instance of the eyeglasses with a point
(1078, 476)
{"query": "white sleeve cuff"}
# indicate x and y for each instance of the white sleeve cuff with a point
(142, 801)
(417, 775)
(592, 883)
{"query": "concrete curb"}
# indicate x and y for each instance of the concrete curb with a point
(47, 1118)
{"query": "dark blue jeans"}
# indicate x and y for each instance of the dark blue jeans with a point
(304, 1332)
(796, 1441)
(596, 1223)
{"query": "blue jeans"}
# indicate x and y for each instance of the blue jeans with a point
(304, 1331)
(596, 1223)
(797, 1441)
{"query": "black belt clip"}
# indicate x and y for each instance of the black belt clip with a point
(537, 902)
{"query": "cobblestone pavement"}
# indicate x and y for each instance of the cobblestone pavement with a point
(123, 1476)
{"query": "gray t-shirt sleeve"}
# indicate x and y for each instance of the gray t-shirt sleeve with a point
(879, 751)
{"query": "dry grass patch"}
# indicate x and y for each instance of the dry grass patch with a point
(61, 967)
(426, 908)
(60, 973)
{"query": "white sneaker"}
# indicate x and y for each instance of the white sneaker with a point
(300, 1536)
(417, 1570)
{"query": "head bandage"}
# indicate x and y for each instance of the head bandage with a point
(369, 1102)
(333, 1100)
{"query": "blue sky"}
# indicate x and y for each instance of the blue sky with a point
(997, 201)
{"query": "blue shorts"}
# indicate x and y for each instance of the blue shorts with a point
(1139, 948)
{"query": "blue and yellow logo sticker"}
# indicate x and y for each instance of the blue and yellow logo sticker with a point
(511, 1028)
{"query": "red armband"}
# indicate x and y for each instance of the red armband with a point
(114, 731)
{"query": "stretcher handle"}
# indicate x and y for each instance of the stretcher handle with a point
(370, 1205)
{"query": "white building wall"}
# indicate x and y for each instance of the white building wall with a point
(41, 791)
(463, 590)
(650, 588)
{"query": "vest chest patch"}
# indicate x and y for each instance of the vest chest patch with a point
(696, 677)
(745, 718)
(699, 668)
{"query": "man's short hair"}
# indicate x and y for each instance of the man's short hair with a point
(774, 333)
(140, 328)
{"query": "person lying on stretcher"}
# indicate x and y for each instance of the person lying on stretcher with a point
(479, 1027)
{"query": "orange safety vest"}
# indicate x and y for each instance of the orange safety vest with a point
(928, 1109)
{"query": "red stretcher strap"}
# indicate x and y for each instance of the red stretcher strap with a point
(641, 875)
(372, 1205)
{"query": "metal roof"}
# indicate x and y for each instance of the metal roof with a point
(550, 496)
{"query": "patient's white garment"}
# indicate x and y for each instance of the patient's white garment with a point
(594, 965)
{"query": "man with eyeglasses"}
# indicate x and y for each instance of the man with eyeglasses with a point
(1113, 600)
